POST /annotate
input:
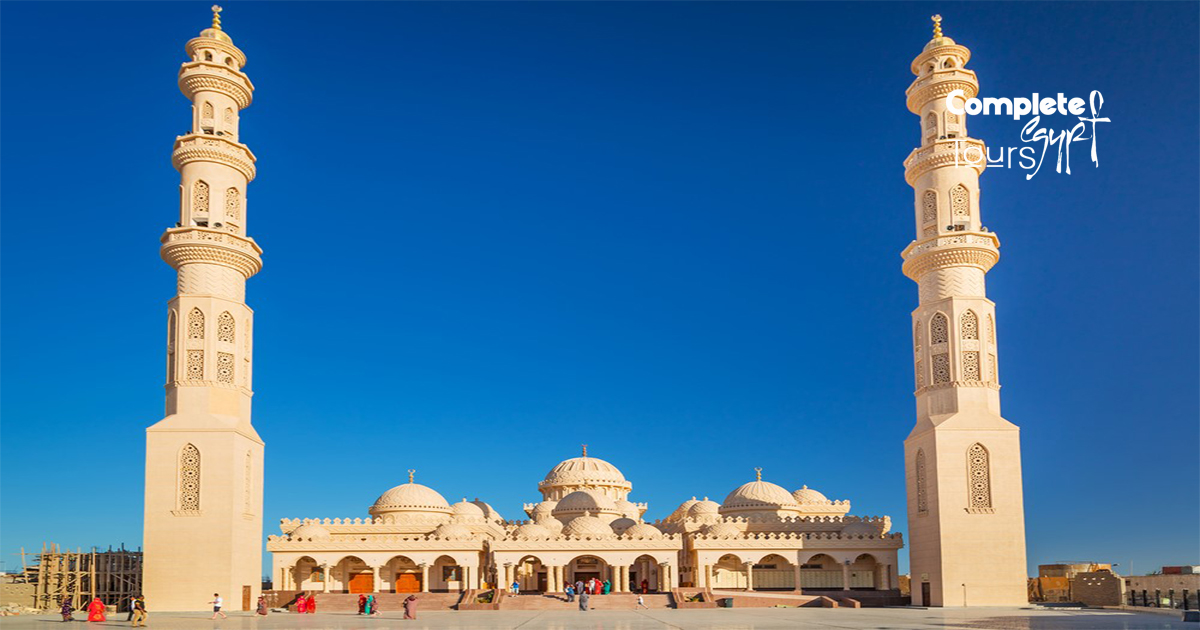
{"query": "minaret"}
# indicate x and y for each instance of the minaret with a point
(204, 460)
(966, 516)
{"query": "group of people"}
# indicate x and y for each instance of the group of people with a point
(306, 605)
(591, 587)
(97, 611)
(369, 605)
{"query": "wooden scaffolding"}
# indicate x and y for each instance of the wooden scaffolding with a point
(114, 576)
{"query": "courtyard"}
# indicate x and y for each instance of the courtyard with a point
(739, 619)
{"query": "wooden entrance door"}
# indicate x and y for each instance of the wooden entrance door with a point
(924, 593)
(362, 583)
(246, 593)
(408, 583)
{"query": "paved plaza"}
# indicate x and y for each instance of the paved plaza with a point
(724, 619)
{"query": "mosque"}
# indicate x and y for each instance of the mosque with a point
(203, 527)
(760, 537)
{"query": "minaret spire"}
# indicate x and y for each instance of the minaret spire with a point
(204, 460)
(965, 512)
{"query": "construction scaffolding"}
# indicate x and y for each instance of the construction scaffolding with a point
(115, 576)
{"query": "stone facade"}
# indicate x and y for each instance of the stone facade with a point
(760, 537)
(204, 460)
(962, 459)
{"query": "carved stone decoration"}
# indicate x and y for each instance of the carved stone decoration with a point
(979, 476)
(922, 492)
(969, 325)
(189, 479)
(225, 327)
(939, 329)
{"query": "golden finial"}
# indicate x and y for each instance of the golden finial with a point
(216, 9)
(937, 26)
(411, 472)
(758, 474)
(584, 449)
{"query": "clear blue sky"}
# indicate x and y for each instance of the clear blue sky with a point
(494, 231)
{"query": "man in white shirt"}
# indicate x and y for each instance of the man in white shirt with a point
(217, 602)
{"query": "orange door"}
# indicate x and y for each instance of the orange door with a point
(408, 583)
(362, 583)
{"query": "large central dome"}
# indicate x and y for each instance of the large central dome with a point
(411, 502)
(580, 473)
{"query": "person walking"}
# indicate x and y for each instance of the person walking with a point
(607, 587)
(570, 591)
(130, 599)
(641, 603)
(217, 603)
(369, 605)
(578, 587)
(67, 609)
(516, 588)
(583, 600)
(410, 607)
(362, 603)
(645, 586)
(301, 604)
(375, 612)
(312, 604)
(138, 606)
(262, 605)
(96, 610)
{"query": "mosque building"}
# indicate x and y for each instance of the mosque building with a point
(204, 460)
(760, 537)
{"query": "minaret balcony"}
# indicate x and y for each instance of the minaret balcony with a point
(199, 147)
(200, 76)
(961, 249)
(938, 84)
(948, 152)
(181, 246)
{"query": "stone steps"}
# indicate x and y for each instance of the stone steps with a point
(388, 602)
(612, 601)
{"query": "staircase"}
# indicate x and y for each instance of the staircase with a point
(612, 601)
(388, 602)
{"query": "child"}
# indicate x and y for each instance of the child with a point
(641, 603)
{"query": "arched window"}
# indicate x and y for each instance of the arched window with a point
(228, 118)
(233, 204)
(196, 324)
(922, 497)
(991, 329)
(931, 124)
(171, 347)
(229, 61)
(948, 63)
(207, 56)
(979, 476)
(929, 206)
(200, 197)
(969, 325)
(919, 364)
(189, 479)
(960, 202)
(225, 327)
(939, 328)
(208, 110)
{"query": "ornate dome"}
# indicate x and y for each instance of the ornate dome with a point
(808, 496)
(628, 509)
(722, 530)
(704, 508)
(643, 530)
(860, 529)
(532, 531)
(585, 500)
(453, 531)
(758, 494)
(410, 497)
(466, 509)
(588, 526)
(584, 472)
(551, 524)
(216, 33)
(620, 525)
(310, 531)
(488, 511)
(681, 511)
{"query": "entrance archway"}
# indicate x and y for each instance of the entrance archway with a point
(821, 571)
(405, 575)
(644, 573)
(730, 573)
(530, 575)
(774, 573)
(446, 575)
(584, 568)
(863, 572)
(352, 575)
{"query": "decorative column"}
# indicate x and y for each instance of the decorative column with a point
(749, 575)
(796, 571)
(374, 579)
(708, 577)
(846, 576)
(962, 458)
(424, 577)
(327, 574)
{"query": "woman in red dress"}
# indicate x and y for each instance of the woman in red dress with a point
(312, 603)
(301, 604)
(96, 610)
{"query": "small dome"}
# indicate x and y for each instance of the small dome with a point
(722, 530)
(759, 494)
(588, 527)
(808, 496)
(620, 525)
(628, 508)
(643, 530)
(310, 531)
(410, 497)
(583, 469)
(216, 33)
(453, 531)
(466, 509)
(860, 529)
(488, 511)
(703, 508)
(532, 531)
(551, 524)
(681, 511)
(938, 42)
(582, 500)
(543, 510)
